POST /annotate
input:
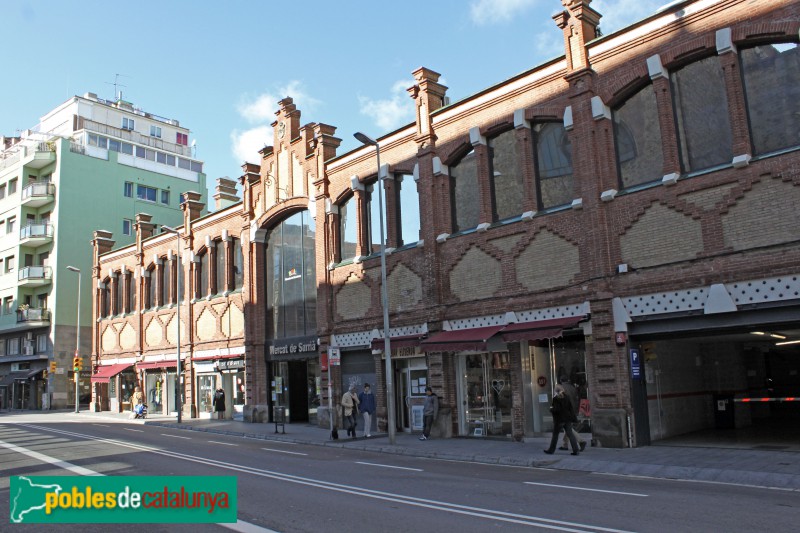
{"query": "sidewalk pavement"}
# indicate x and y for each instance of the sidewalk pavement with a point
(759, 468)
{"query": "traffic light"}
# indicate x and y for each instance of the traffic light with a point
(77, 363)
(52, 367)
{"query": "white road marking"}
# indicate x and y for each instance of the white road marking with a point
(101, 425)
(390, 466)
(176, 436)
(651, 478)
(247, 527)
(283, 451)
(363, 492)
(81, 471)
(223, 443)
(583, 488)
(136, 430)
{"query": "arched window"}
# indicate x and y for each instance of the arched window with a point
(771, 75)
(238, 264)
(638, 139)
(553, 165)
(202, 274)
(701, 110)
(464, 192)
(506, 176)
(291, 277)
(220, 262)
(105, 298)
(408, 223)
(163, 282)
(151, 282)
(373, 221)
(130, 281)
(348, 228)
(117, 286)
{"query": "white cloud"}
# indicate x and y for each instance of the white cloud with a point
(619, 13)
(483, 12)
(259, 111)
(548, 45)
(392, 112)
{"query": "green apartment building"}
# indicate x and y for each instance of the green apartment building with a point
(90, 163)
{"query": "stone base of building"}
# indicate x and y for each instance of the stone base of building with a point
(609, 427)
(256, 413)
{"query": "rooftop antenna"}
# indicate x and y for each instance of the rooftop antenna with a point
(117, 95)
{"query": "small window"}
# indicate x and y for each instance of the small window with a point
(146, 193)
(204, 267)
(219, 267)
(2, 191)
(41, 343)
(12, 186)
(127, 224)
(8, 303)
(127, 123)
(11, 225)
(3, 347)
(13, 346)
(150, 155)
(348, 234)
(10, 263)
(92, 139)
(102, 142)
(126, 148)
(182, 139)
(170, 160)
(165, 197)
(184, 163)
(161, 157)
(128, 189)
(114, 145)
(373, 221)
(140, 151)
(155, 131)
(238, 264)
(197, 166)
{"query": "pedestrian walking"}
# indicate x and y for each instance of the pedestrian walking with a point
(572, 394)
(350, 410)
(430, 410)
(563, 417)
(366, 404)
(219, 403)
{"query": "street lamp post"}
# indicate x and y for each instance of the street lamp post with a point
(179, 376)
(77, 334)
(384, 298)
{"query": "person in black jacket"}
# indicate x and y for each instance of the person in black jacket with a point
(563, 417)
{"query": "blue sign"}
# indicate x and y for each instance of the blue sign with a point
(636, 364)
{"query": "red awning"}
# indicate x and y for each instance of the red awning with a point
(540, 329)
(403, 341)
(159, 364)
(460, 339)
(109, 371)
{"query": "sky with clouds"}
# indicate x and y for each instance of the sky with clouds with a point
(221, 72)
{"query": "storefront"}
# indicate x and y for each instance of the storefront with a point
(224, 371)
(112, 386)
(295, 379)
(158, 379)
(23, 388)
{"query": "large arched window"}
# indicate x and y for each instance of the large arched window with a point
(771, 75)
(150, 302)
(105, 298)
(117, 284)
(163, 281)
(373, 213)
(638, 139)
(238, 264)
(464, 192)
(506, 176)
(348, 228)
(553, 165)
(220, 261)
(291, 277)
(408, 224)
(130, 281)
(701, 110)
(203, 268)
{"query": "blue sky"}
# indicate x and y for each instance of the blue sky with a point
(221, 67)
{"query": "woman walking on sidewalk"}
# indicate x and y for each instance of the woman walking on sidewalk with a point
(563, 417)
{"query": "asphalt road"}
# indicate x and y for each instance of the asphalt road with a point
(297, 488)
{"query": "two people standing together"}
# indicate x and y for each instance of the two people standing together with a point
(352, 404)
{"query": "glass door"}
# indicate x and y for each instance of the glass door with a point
(485, 392)
(411, 378)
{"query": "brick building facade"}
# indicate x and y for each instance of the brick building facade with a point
(622, 216)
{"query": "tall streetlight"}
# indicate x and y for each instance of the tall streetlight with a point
(179, 376)
(384, 297)
(77, 334)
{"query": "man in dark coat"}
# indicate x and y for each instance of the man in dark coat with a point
(563, 417)
(572, 393)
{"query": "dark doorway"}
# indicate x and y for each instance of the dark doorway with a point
(298, 386)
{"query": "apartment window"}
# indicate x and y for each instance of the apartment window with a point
(13, 346)
(2, 347)
(165, 197)
(171, 160)
(41, 343)
(182, 138)
(464, 192)
(771, 75)
(348, 231)
(10, 264)
(2, 191)
(219, 267)
(127, 224)
(2, 226)
(127, 123)
(638, 139)
(155, 131)
(41, 300)
(128, 189)
(161, 157)
(553, 151)
(8, 302)
(126, 148)
(238, 264)
(197, 166)
(114, 145)
(373, 214)
(144, 192)
(184, 163)
(12, 186)
(140, 151)
(408, 224)
(102, 142)
(150, 155)
(506, 176)
(11, 224)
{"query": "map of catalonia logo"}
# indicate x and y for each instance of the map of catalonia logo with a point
(122, 499)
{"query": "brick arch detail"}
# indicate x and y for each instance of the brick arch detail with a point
(280, 211)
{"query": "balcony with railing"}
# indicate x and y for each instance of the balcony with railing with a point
(134, 137)
(36, 233)
(38, 194)
(34, 154)
(33, 316)
(35, 276)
